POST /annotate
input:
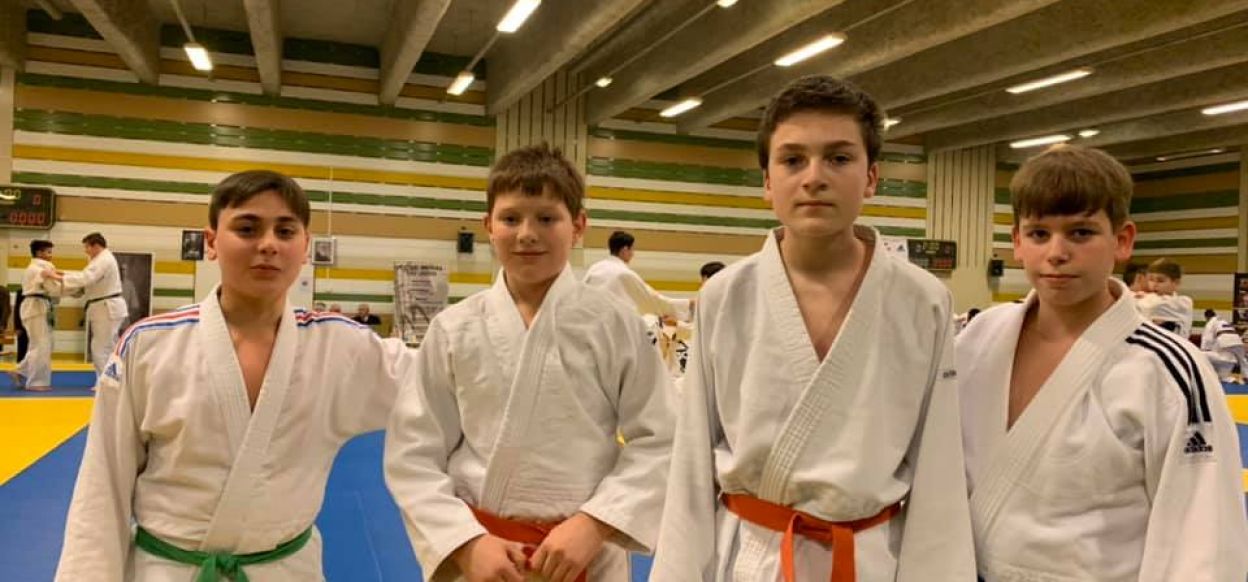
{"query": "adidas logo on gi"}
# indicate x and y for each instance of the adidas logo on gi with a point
(1197, 444)
(111, 371)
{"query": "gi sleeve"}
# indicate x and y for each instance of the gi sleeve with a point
(630, 497)
(98, 536)
(936, 542)
(1197, 530)
(424, 429)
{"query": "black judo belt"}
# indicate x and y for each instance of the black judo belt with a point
(104, 298)
(51, 315)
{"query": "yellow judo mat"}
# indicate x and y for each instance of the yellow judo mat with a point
(32, 427)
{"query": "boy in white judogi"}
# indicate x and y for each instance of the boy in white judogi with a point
(215, 425)
(1099, 446)
(34, 372)
(615, 275)
(1163, 305)
(506, 442)
(1213, 324)
(821, 393)
(100, 286)
(1226, 350)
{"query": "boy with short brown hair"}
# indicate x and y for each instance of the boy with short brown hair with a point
(821, 391)
(1098, 446)
(505, 445)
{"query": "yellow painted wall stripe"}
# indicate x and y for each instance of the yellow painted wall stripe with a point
(1189, 224)
(407, 178)
(230, 166)
(80, 263)
(149, 107)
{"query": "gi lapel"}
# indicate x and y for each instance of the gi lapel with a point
(824, 384)
(1011, 461)
(510, 444)
(224, 532)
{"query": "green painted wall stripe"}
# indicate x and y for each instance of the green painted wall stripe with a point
(903, 158)
(38, 80)
(1001, 195)
(674, 172)
(717, 175)
(1002, 237)
(156, 292)
(1196, 171)
(233, 42)
(232, 136)
(901, 188)
(365, 147)
(1202, 200)
(712, 142)
(1186, 243)
(405, 202)
(715, 142)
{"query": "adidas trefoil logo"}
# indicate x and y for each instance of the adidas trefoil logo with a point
(1197, 444)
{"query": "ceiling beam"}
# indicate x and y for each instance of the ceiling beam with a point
(558, 32)
(1164, 126)
(129, 27)
(1188, 92)
(12, 35)
(1027, 45)
(719, 35)
(265, 25)
(646, 28)
(915, 27)
(412, 24)
(1202, 140)
(1175, 59)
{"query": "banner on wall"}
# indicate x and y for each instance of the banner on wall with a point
(421, 291)
(1239, 315)
(137, 272)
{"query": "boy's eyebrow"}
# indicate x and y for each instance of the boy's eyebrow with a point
(840, 143)
(254, 217)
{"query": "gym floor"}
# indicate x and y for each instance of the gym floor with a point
(42, 436)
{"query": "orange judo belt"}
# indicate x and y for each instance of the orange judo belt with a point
(530, 533)
(840, 534)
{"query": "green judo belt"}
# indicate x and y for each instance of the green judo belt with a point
(213, 565)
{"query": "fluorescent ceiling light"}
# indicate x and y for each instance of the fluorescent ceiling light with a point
(828, 42)
(1050, 81)
(1089, 133)
(461, 83)
(198, 55)
(1190, 155)
(1039, 141)
(726, 3)
(891, 121)
(1226, 108)
(515, 17)
(681, 107)
(604, 82)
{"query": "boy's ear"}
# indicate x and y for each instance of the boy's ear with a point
(579, 225)
(1125, 239)
(210, 243)
(766, 185)
(873, 180)
(1014, 238)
